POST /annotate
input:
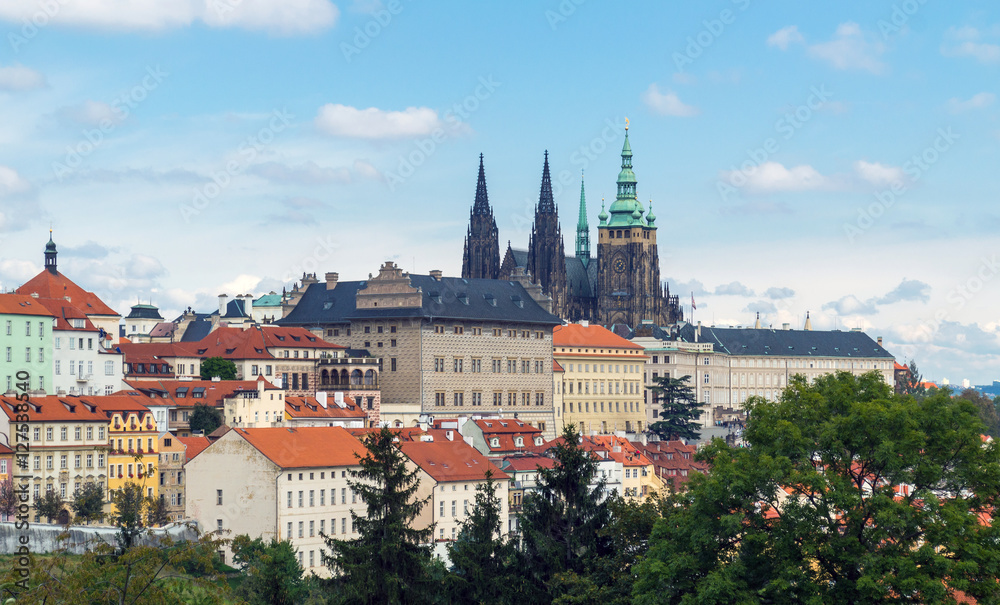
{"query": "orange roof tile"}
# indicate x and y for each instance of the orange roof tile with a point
(180, 392)
(404, 433)
(56, 285)
(20, 304)
(194, 445)
(53, 408)
(576, 335)
(450, 460)
(528, 463)
(556, 367)
(306, 447)
(310, 407)
(280, 336)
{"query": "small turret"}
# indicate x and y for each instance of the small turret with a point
(50, 255)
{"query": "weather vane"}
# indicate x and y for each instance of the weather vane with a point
(626, 123)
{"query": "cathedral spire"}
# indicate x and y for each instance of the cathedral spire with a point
(546, 204)
(482, 204)
(583, 228)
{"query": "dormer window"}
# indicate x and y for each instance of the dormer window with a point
(495, 442)
(538, 440)
(519, 441)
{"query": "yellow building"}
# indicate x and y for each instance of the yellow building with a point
(133, 442)
(602, 384)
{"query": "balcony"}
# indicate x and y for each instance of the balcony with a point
(84, 377)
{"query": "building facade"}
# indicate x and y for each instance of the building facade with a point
(26, 344)
(481, 256)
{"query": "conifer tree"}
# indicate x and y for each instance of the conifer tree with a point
(388, 562)
(680, 412)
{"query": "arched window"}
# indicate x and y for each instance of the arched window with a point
(370, 378)
(325, 377)
(343, 377)
(356, 377)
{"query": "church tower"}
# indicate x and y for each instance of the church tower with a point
(481, 258)
(50, 255)
(628, 274)
(546, 253)
(583, 229)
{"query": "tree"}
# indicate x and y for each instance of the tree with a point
(680, 412)
(561, 522)
(481, 556)
(847, 494)
(913, 382)
(88, 502)
(271, 572)
(144, 575)
(214, 367)
(156, 511)
(387, 563)
(49, 505)
(129, 506)
(8, 498)
(205, 419)
(987, 411)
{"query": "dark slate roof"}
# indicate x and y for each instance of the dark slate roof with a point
(235, 309)
(449, 297)
(807, 343)
(581, 280)
(144, 312)
(198, 328)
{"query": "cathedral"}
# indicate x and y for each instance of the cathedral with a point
(620, 287)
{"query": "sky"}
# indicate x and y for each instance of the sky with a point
(836, 159)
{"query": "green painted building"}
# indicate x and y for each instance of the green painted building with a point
(25, 343)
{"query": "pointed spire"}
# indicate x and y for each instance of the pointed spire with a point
(757, 325)
(546, 204)
(50, 254)
(482, 205)
(809, 325)
(583, 228)
(650, 217)
(603, 216)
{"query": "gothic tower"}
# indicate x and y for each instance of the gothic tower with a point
(628, 274)
(583, 229)
(481, 258)
(546, 253)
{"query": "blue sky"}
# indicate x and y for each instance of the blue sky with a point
(831, 158)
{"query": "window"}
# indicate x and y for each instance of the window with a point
(477, 398)
(301, 527)
(439, 329)
(454, 508)
(312, 532)
(312, 497)
(392, 361)
(218, 497)
(300, 498)
(442, 508)
(477, 366)
(439, 364)
(459, 398)
(289, 499)
(439, 398)
(458, 364)
(343, 495)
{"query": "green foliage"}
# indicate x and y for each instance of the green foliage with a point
(912, 382)
(271, 572)
(680, 412)
(49, 505)
(156, 511)
(88, 502)
(842, 533)
(144, 575)
(987, 410)
(214, 367)
(387, 563)
(481, 557)
(205, 419)
(128, 512)
(8, 497)
(561, 522)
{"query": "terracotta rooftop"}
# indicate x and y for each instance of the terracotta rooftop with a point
(576, 335)
(306, 447)
(184, 393)
(56, 285)
(19, 304)
(310, 407)
(450, 460)
(53, 408)
(527, 463)
(194, 445)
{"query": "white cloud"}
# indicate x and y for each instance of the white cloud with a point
(281, 17)
(977, 101)
(90, 113)
(141, 266)
(373, 123)
(11, 182)
(878, 174)
(785, 36)
(17, 78)
(850, 49)
(773, 176)
(966, 42)
(851, 305)
(776, 293)
(733, 289)
(364, 169)
(667, 103)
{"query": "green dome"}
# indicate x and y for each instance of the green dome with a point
(650, 217)
(603, 216)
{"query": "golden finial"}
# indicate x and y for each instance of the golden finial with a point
(626, 123)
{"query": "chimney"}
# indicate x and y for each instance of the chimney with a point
(697, 332)
(585, 323)
(321, 398)
(338, 398)
(436, 274)
(35, 295)
(809, 325)
(248, 305)
(331, 280)
(450, 435)
(786, 326)
(222, 304)
(879, 341)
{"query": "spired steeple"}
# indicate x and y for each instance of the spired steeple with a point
(626, 210)
(50, 255)
(481, 258)
(546, 204)
(583, 228)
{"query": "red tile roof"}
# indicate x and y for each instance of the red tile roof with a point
(279, 336)
(505, 425)
(56, 285)
(53, 408)
(166, 392)
(528, 463)
(64, 312)
(450, 460)
(194, 445)
(306, 447)
(618, 449)
(576, 335)
(309, 407)
(556, 367)
(19, 304)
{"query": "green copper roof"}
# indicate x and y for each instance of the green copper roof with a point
(603, 216)
(626, 211)
(583, 228)
(650, 217)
